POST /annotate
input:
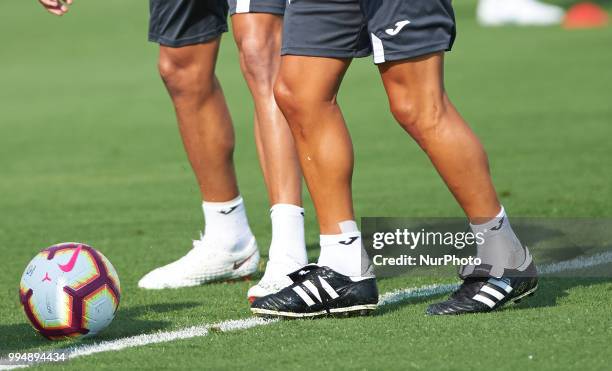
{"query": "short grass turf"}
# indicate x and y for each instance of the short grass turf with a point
(89, 151)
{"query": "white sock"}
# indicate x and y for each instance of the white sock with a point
(288, 247)
(344, 252)
(501, 247)
(226, 224)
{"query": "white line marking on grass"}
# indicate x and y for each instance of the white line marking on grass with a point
(153, 338)
(575, 264)
(243, 324)
(415, 292)
(165, 336)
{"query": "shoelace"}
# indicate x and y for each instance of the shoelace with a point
(305, 273)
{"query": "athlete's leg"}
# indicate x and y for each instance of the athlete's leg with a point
(339, 283)
(326, 155)
(323, 142)
(204, 120)
(317, 53)
(320, 39)
(258, 37)
(421, 106)
(189, 33)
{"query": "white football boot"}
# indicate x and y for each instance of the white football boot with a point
(274, 279)
(518, 12)
(204, 264)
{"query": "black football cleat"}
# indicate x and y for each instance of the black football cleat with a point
(486, 294)
(318, 292)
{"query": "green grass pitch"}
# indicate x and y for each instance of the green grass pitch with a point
(89, 151)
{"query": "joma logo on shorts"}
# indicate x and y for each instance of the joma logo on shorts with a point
(398, 27)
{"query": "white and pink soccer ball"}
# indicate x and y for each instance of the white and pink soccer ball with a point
(70, 290)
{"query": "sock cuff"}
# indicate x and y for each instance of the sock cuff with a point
(343, 239)
(494, 224)
(286, 209)
(222, 205)
(348, 226)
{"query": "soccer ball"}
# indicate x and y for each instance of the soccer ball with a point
(70, 290)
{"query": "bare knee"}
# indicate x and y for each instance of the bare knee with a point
(259, 60)
(423, 119)
(296, 103)
(295, 109)
(304, 109)
(284, 95)
(186, 77)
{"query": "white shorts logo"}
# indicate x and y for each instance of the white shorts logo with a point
(398, 27)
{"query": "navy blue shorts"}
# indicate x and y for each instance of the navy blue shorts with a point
(177, 23)
(390, 29)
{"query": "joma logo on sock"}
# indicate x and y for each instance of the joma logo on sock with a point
(349, 241)
(228, 211)
(498, 227)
